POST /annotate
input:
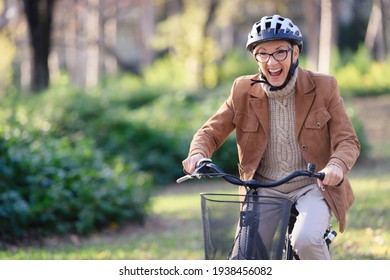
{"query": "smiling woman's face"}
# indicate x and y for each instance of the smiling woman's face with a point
(276, 71)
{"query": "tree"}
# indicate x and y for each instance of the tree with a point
(186, 36)
(375, 32)
(325, 36)
(3, 16)
(39, 18)
(312, 13)
(386, 16)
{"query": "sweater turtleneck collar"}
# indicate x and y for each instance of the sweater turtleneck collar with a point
(288, 90)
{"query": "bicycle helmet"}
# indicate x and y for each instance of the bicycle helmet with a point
(271, 28)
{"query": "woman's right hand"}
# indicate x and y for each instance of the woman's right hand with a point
(189, 164)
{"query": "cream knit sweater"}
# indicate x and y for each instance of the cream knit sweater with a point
(282, 155)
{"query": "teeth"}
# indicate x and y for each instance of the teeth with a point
(274, 72)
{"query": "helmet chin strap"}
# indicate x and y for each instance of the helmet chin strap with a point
(264, 80)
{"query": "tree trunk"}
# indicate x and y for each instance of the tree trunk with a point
(325, 36)
(386, 15)
(311, 44)
(375, 35)
(39, 18)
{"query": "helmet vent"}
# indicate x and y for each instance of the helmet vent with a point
(278, 26)
(267, 26)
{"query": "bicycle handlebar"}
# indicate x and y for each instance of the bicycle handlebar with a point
(205, 168)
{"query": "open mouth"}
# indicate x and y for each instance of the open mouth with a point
(275, 73)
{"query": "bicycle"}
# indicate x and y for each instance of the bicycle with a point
(251, 239)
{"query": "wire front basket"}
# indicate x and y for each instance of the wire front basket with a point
(244, 227)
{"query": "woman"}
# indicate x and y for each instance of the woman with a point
(286, 117)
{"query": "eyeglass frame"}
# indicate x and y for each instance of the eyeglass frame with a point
(272, 54)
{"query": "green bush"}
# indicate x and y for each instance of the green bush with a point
(120, 125)
(359, 75)
(236, 64)
(53, 186)
(166, 72)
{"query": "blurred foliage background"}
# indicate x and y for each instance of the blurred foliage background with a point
(100, 98)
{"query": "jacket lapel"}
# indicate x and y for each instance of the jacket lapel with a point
(259, 104)
(304, 98)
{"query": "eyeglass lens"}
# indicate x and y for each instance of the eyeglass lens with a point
(279, 55)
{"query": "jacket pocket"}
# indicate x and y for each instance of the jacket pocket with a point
(246, 123)
(317, 120)
(249, 141)
(316, 131)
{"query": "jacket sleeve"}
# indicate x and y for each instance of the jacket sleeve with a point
(344, 142)
(215, 131)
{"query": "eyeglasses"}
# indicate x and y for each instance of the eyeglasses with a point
(279, 55)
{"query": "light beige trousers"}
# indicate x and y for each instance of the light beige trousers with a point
(312, 221)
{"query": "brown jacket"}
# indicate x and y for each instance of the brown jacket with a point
(325, 132)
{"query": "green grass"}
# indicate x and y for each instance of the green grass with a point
(174, 231)
(368, 231)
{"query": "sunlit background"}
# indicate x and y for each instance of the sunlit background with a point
(100, 99)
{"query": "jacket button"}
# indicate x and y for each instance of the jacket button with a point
(304, 147)
(318, 125)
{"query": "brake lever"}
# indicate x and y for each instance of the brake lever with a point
(199, 165)
(184, 178)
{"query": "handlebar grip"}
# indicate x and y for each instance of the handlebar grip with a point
(320, 175)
